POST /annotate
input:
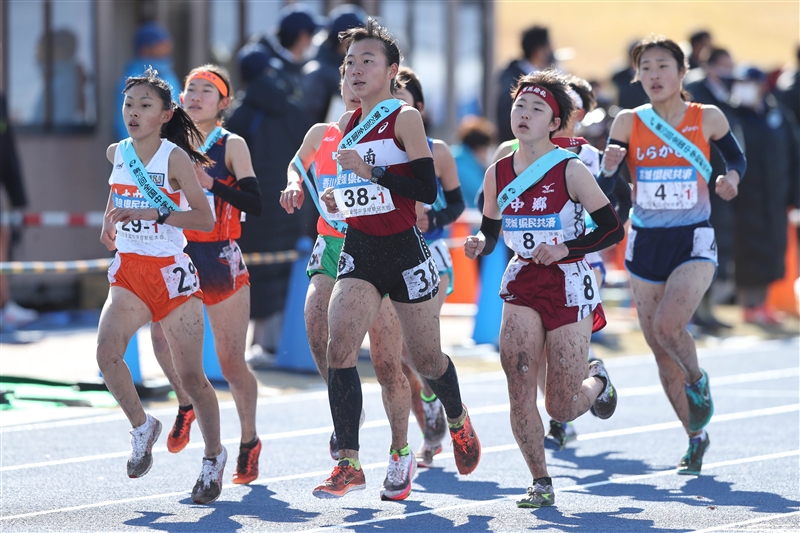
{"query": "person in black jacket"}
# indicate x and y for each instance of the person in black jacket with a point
(773, 165)
(273, 123)
(537, 55)
(12, 316)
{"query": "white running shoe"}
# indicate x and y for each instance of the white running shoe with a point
(425, 454)
(401, 470)
(435, 422)
(13, 316)
(209, 484)
(142, 439)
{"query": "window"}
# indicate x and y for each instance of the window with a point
(51, 64)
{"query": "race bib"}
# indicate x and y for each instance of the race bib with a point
(704, 244)
(666, 187)
(422, 279)
(510, 274)
(441, 254)
(315, 261)
(580, 287)
(630, 245)
(523, 233)
(346, 264)
(356, 197)
(233, 255)
(181, 277)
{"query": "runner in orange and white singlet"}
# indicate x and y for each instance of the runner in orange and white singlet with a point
(231, 189)
(151, 278)
(671, 254)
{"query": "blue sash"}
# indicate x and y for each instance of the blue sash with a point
(212, 138)
(311, 185)
(532, 175)
(141, 178)
(682, 146)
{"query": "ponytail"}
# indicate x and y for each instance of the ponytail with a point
(182, 131)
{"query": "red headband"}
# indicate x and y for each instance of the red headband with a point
(544, 94)
(209, 76)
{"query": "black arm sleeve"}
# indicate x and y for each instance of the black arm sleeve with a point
(246, 196)
(491, 231)
(605, 182)
(455, 206)
(608, 231)
(421, 188)
(728, 147)
(624, 202)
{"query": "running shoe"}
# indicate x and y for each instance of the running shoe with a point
(435, 422)
(13, 316)
(539, 494)
(344, 478)
(142, 440)
(333, 444)
(606, 402)
(762, 316)
(425, 454)
(560, 434)
(179, 436)
(692, 462)
(401, 470)
(247, 464)
(466, 446)
(701, 406)
(209, 484)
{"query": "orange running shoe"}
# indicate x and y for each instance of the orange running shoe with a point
(344, 478)
(466, 447)
(247, 464)
(179, 436)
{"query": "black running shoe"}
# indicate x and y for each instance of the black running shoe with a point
(692, 462)
(606, 403)
(559, 435)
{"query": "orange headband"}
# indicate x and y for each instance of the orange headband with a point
(209, 76)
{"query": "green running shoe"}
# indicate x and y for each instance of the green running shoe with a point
(692, 462)
(539, 495)
(701, 406)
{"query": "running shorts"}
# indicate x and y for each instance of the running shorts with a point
(653, 254)
(399, 265)
(162, 283)
(562, 293)
(325, 256)
(221, 267)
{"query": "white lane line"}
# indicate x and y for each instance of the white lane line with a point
(491, 409)
(733, 379)
(748, 522)
(624, 479)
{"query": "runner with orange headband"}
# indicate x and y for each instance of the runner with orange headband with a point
(538, 195)
(231, 190)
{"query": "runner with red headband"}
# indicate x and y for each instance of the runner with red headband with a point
(538, 195)
(231, 190)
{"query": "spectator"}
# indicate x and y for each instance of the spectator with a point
(630, 93)
(537, 54)
(273, 123)
(321, 78)
(713, 87)
(476, 136)
(153, 47)
(788, 88)
(12, 316)
(700, 41)
(773, 152)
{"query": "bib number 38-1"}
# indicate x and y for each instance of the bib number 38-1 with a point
(181, 277)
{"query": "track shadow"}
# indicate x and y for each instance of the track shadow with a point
(437, 480)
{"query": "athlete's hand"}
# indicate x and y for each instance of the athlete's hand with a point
(205, 180)
(727, 186)
(423, 222)
(350, 160)
(292, 197)
(547, 254)
(119, 214)
(108, 235)
(473, 246)
(612, 157)
(330, 201)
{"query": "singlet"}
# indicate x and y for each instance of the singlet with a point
(325, 161)
(380, 147)
(542, 213)
(438, 205)
(667, 189)
(227, 219)
(145, 237)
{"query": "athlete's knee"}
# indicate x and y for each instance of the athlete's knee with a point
(562, 409)
(667, 331)
(431, 365)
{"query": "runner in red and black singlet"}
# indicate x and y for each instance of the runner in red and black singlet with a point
(549, 290)
(231, 189)
(383, 174)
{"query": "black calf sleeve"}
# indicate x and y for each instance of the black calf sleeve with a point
(447, 390)
(344, 397)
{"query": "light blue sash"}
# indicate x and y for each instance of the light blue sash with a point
(141, 178)
(212, 138)
(311, 185)
(532, 175)
(682, 146)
